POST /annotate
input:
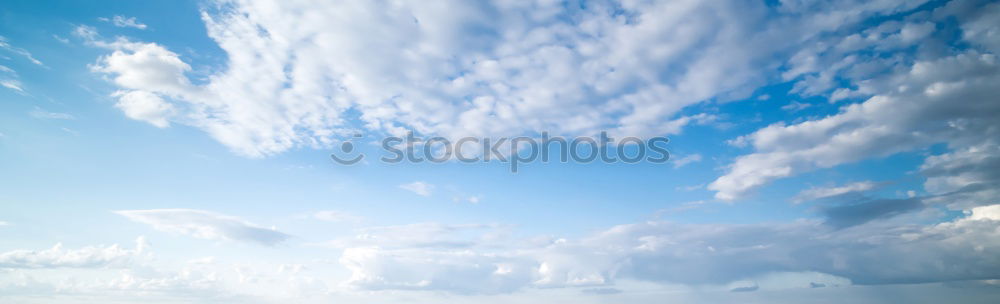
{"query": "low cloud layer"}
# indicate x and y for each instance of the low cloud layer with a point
(457, 259)
(471, 260)
(60, 257)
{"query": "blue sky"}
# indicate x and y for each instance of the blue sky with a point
(178, 151)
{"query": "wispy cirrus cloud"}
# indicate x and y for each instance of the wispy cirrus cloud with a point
(815, 193)
(122, 21)
(205, 225)
(40, 113)
(419, 188)
(4, 45)
(13, 85)
(687, 159)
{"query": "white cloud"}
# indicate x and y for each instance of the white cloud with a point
(122, 21)
(912, 102)
(145, 66)
(148, 72)
(978, 22)
(948, 100)
(484, 259)
(88, 34)
(454, 271)
(297, 74)
(991, 212)
(124, 285)
(418, 187)
(431, 256)
(13, 85)
(966, 177)
(488, 259)
(86, 257)
(815, 193)
(19, 51)
(43, 114)
(145, 106)
(688, 159)
(4, 223)
(60, 39)
(112, 274)
(795, 106)
(205, 225)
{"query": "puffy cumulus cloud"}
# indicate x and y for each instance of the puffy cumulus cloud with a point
(184, 284)
(942, 95)
(205, 225)
(470, 266)
(142, 66)
(149, 73)
(115, 274)
(217, 282)
(991, 213)
(159, 279)
(86, 257)
(464, 259)
(464, 272)
(948, 100)
(965, 177)
(979, 19)
(802, 254)
(301, 74)
(145, 106)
